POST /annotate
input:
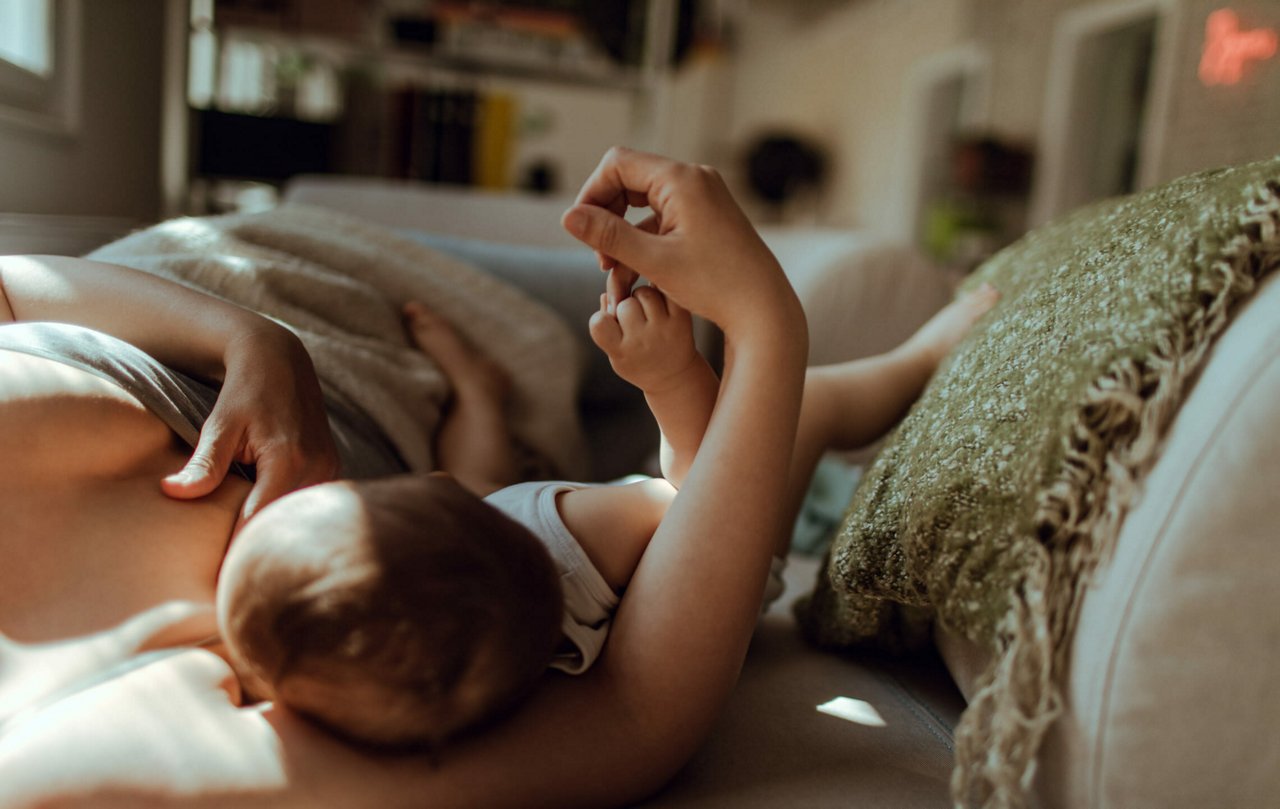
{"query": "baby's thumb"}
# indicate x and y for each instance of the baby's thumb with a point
(611, 235)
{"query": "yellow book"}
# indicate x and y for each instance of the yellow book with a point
(494, 139)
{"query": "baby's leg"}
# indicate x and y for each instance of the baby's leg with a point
(473, 442)
(851, 404)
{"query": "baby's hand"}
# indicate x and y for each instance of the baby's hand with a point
(648, 338)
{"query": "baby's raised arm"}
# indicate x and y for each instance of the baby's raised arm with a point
(649, 341)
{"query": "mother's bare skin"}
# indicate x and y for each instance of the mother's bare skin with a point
(100, 563)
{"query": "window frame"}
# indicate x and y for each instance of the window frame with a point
(47, 103)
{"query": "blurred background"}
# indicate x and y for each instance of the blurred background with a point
(953, 125)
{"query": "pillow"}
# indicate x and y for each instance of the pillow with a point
(1007, 482)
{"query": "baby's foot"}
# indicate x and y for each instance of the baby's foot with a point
(935, 339)
(468, 371)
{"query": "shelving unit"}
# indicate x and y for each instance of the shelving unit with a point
(268, 94)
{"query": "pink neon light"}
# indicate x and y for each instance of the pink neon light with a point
(1227, 48)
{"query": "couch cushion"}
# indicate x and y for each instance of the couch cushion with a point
(884, 737)
(1171, 691)
(1008, 481)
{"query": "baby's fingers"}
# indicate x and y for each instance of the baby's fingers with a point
(631, 315)
(652, 301)
(619, 283)
(605, 331)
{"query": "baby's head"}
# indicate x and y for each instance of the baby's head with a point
(396, 612)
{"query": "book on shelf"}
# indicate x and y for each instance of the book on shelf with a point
(457, 132)
(449, 135)
(494, 140)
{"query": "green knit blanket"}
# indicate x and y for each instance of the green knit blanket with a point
(1007, 482)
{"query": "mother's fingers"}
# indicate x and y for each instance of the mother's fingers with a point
(624, 177)
(619, 284)
(283, 467)
(611, 235)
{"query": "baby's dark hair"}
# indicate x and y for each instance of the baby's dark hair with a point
(439, 617)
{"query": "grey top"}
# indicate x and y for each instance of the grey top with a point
(183, 402)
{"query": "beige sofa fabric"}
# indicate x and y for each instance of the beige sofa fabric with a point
(773, 749)
(1172, 691)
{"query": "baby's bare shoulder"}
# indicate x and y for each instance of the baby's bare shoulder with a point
(614, 523)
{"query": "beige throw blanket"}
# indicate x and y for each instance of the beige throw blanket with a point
(339, 283)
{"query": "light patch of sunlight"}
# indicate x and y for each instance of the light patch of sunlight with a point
(166, 723)
(853, 710)
(191, 226)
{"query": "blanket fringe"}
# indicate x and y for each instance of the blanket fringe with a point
(1114, 441)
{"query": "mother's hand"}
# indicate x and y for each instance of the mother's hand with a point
(698, 246)
(270, 413)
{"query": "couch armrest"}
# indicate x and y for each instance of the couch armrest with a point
(509, 217)
(1170, 693)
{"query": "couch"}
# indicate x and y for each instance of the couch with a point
(1166, 700)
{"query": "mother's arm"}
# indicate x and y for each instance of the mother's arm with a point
(270, 412)
(679, 638)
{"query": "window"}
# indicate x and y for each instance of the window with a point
(26, 35)
(38, 83)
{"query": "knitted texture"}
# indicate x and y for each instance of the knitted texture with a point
(1006, 484)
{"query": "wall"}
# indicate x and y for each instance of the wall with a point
(110, 166)
(1205, 127)
(842, 77)
(845, 76)
(568, 127)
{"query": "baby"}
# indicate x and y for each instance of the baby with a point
(403, 611)
(409, 610)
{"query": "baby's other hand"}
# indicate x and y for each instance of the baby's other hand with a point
(648, 338)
